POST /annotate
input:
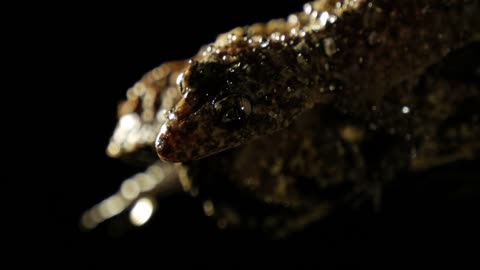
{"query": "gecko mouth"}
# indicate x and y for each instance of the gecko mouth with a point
(165, 147)
(180, 141)
(175, 141)
(174, 144)
(193, 138)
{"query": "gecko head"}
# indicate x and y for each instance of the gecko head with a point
(223, 106)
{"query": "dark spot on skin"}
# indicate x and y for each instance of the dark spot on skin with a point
(233, 111)
(190, 126)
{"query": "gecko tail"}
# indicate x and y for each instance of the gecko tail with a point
(136, 194)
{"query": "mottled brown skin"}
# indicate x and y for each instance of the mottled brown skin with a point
(351, 63)
(327, 160)
(293, 178)
(312, 113)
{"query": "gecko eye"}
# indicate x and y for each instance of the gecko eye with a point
(233, 111)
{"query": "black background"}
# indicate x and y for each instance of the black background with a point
(104, 50)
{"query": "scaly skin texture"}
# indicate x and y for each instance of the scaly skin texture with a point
(256, 80)
(326, 107)
(326, 160)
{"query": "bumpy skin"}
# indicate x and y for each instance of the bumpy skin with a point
(358, 92)
(293, 178)
(144, 112)
(256, 80)
(327, 160)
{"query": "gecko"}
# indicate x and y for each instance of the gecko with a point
(328, 81)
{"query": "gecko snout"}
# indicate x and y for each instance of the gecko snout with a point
(167, 145)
